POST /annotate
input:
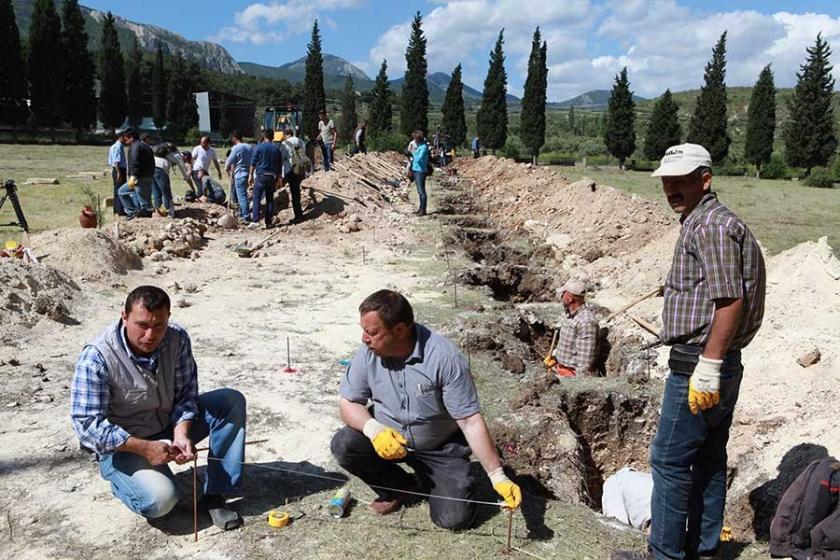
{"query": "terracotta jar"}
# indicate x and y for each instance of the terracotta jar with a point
(87, 218)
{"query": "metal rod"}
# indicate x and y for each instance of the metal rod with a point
(469, 353)
(195, 498)
(510, 531)
(364, 255)
(288, 355)
(252, 442)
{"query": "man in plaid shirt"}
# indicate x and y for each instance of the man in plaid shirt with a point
(135, 403)
(714, 305)
(575, 352)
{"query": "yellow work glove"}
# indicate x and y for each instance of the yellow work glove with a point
(388, 442)
(704, 385)
(132, 182)
(505, 488)
(550, 361)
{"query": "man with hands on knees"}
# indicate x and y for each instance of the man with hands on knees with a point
(425, 413)
(714, 305)
(135, 404)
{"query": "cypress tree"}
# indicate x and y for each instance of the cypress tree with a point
(79, 99)
(349, 118)
(620, 133)
(809, 138)
(414, 109)
(454, 120)
(532, 124)
(181, 108)
(571, 121)
(314, 98)
(663, 129)
(380, 106)
(708, 124)
(492, 117)
(135, 88)
(112, 101)
(45, 67)
(13, 108)
(761, 120)
(159, 89)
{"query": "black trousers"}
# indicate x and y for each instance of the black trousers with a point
(118, 177)
(443, 472)
(294, 182)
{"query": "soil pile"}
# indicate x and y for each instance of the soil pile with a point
(31, 292)
(86, 254)
(162, 239)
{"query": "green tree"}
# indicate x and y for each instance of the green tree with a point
(810, 139)
(380, 118)
(349, 118)
(532, 123)
(159, 89)
(79, 99)
(620, 133)
(708, 124)
(112, 100)
(492, 117)
(135, 88)
(454, 119)
(181, 108)
(571, 121)
(663, 130)
(761, 120)
(45, 67)
(414, 109)
(314, 98)
(13, 108)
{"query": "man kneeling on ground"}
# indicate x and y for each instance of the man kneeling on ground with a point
(135, 403)
(425, 413)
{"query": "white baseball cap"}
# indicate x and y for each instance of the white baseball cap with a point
(574, 287)
(682, 159)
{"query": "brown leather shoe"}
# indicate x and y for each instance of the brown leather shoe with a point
(383, 507)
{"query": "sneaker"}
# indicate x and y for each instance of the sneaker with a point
(129, 217)
(253, 225)
(223, 517)
(631, 555)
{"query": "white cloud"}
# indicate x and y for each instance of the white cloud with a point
(277, 21)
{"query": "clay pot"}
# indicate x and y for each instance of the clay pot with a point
(87, 218)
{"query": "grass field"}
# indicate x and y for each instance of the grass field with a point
(781, 214)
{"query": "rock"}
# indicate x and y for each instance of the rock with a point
(159, 256)
(228, 221)
(182, 303)
(513, 364)
(343, 229)
(559, 241)
(354, 228)
(355, 218)
(13, 404)
(809, 358)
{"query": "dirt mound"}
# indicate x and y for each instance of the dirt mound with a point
(581, 218)
(162, 239)
(86, 254)
(31, 292)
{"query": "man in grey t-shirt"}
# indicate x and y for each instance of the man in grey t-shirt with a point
(424, 411)
(327, 135)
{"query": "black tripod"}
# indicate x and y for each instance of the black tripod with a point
(11, 194)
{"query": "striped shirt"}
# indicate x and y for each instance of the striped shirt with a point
(716, 257)
(577, 339)
(90, 393)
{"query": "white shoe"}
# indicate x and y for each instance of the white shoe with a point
(253, 225)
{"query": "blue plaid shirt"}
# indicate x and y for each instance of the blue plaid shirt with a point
(90, 393)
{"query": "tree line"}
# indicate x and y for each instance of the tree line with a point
(809, 135)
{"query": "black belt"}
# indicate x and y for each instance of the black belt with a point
(684, 358)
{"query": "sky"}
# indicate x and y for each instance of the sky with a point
(663, 43)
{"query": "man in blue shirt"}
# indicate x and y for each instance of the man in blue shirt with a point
(237, 165)
(135, 404)
(117, 163)
(419, 167)
(265, 175)
(476, 147)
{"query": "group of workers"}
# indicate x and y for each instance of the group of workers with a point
(408, 397)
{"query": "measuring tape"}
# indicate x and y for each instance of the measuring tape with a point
(278, 519)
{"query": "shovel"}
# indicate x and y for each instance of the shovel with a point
(244, 251)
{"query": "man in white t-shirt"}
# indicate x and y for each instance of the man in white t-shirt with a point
(202, 155)
(327, 133)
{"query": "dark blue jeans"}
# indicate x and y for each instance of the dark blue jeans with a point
(263, 184)
(688, 464)
(240, 184)
(327, 153)
(420, 182)
(162, 190)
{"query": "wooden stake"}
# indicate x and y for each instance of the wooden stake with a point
(195, 498)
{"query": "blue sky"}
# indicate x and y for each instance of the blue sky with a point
(664, 43)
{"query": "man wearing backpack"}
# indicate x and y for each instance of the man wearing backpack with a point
(294, 169)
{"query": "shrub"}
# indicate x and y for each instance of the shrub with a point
(193, 136)
(821, 177)
(775, 168)
(387, 142)
(512, 148)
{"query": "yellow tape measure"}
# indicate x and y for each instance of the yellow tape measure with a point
(278, 518)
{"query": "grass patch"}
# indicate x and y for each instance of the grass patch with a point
(781, 214)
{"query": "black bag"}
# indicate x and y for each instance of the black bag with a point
(163, 150)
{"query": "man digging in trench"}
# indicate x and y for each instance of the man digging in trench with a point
(425, 413)
(578, 336)
(135, 403)
(714, 304)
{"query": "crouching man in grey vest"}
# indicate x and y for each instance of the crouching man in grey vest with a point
(135, 403)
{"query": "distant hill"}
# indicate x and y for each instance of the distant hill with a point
(209, 55)
(336, 70)
(595, 99)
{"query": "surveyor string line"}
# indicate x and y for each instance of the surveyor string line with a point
(343, 480)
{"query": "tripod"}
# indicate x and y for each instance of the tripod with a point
(11, 194)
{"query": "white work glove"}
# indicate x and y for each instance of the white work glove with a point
(704, 385)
